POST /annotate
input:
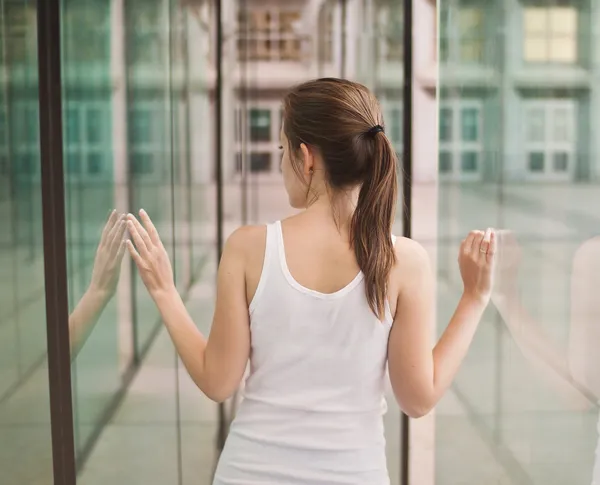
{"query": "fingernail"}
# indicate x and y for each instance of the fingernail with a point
(487, 235)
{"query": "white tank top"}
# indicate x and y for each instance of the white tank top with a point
(313, 401)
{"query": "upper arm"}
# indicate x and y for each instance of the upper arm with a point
(410, 343)
(228, 347)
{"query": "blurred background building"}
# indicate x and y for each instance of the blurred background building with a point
(505, 110)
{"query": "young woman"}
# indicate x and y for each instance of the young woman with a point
(321, 304)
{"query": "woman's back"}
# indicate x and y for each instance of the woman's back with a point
(317, 365)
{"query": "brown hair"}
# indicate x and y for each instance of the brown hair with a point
(337, 118)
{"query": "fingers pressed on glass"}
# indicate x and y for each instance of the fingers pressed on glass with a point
(493, 247)
(476, 247)
(118, 235)
(469, 241)
(485, 243)
(110, 223)
(132, 251)
(141, 231)
(140, 245)
(148, 224)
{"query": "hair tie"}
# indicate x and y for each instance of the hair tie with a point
(376, 129)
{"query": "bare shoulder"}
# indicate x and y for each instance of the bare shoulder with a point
(410, 255)
(412, 263)
(248, 241)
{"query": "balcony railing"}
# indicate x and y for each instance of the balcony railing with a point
(290, 48)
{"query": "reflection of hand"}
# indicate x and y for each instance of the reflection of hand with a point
(509, 261)
(476, 261)
(107, 264)
(150, 255)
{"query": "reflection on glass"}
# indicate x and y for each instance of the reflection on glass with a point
(103, 284)
(550, 34)
(25, 439)
(529, 142)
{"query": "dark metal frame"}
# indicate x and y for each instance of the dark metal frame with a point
(222, 419)
(55, 257)
(407, 194)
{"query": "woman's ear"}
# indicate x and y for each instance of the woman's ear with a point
(308, 160)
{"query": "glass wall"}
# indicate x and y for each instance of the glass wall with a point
(374, 56)
(518, 103)
(24, 392)
(136, 125)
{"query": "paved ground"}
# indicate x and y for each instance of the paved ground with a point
(503, 423)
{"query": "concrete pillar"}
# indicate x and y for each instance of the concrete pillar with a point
(120, 160)
(509, 103)
(425, 137)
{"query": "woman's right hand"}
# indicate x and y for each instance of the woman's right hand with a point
(476, 260)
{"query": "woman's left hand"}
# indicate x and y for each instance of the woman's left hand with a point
(150, 255)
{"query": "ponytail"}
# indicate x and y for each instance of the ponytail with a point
(371, 227)
(336, 116)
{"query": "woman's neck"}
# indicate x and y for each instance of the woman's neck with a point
(339, 206)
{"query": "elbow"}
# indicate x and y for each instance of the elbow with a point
(217, 398)
(417, 406)
(217, 394)
(417, 411)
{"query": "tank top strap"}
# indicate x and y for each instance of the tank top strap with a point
(271, 258)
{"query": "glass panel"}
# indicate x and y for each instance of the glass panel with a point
(260, 162)
(470, 124)
(562, 122)
(128, 116)
(86, 113)
(550, 34)
(536, 161)
(468, 161)
(445, 162)
(470, 30)
(260, 125)
(25, 436)
(536, 121)
(561, 162)
(378, 50)
(446, 124)
(523, 408)
(396, 125)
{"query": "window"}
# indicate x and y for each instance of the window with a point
(391, 30)
(86, 138)
(395, 123)
(549, 138)
(261, 146)
(21, 31)
(86, 31)
(461, 141)
(146, 137)
(257, 162)
(326, 32)
(462, 34)
(146, 32)
(550, 34)
(25, 135)
(270, 35)
(260, 125)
